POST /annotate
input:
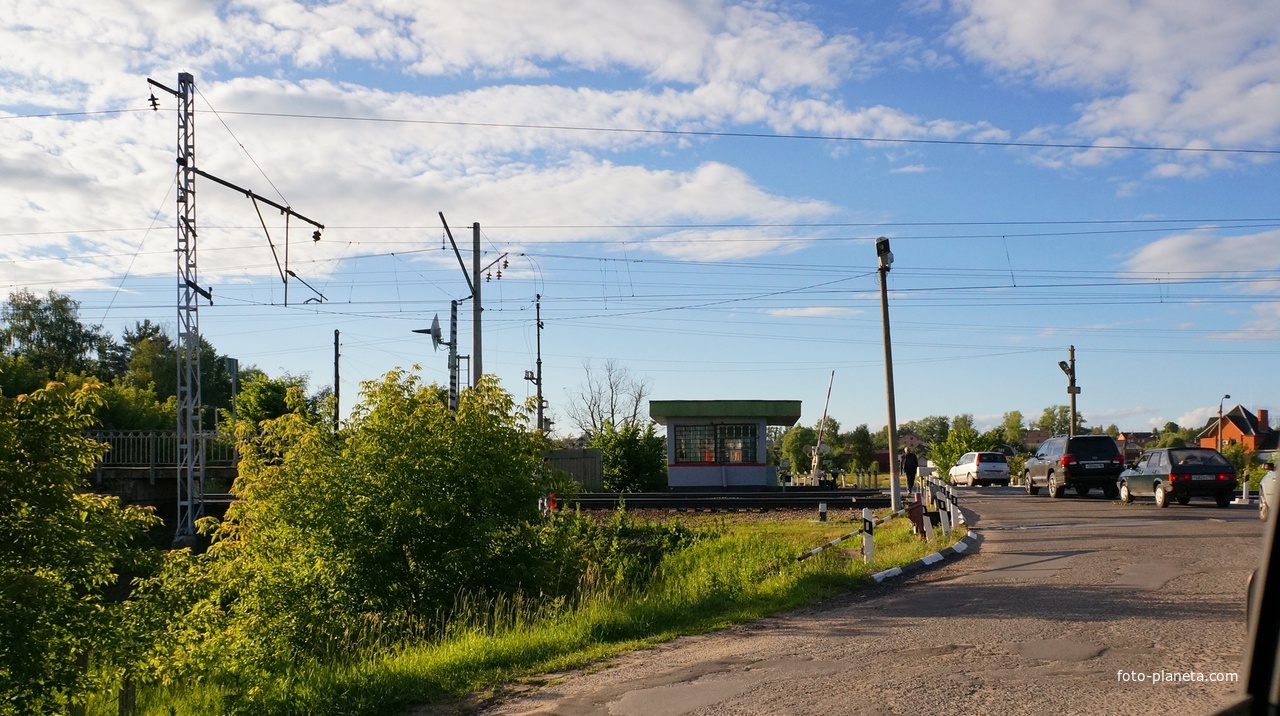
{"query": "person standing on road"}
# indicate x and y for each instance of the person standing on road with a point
(910, 464)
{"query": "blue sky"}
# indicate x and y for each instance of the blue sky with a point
(694, 189)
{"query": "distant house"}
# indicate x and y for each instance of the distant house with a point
(1241, 426)
(1132, 443)
(1033, 437)
(914, 442)
(721, 443)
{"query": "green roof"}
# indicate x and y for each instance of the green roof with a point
(775, 412)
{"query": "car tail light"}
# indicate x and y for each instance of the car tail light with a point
(1068, 460)
(1225, 476)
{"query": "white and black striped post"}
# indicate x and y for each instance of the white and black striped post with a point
(868, 535)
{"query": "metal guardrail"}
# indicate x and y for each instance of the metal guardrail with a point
(158, 448)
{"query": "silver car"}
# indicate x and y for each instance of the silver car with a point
(980, 468)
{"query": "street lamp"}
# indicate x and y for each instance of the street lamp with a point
(1220, 422)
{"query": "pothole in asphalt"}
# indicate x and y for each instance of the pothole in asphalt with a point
(1058, 650)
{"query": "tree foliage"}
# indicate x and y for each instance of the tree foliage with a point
(1056, 420)
(961, 438)
(635, 458)
(372, 531)
(795, 447)
(861, 450)
(932, 430)
(1013, 428)
(47, 332)
(61, 547)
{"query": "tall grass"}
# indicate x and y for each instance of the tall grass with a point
(739, 571)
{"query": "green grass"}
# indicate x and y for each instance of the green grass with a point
(748, 570)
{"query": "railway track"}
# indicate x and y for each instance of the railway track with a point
(792, 499)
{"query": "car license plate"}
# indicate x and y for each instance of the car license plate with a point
(1093, 465)
(1202, 477)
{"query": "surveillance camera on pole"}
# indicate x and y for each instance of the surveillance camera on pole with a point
(886, 260)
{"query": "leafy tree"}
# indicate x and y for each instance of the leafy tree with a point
(47, 332)
(18, 376)
(635, 458)
(795, 447)
(1056, 418)
(1013, 428)
(1240, 457)
(60, 548)
(616, 396)
(262, 397)
(861, 450)
(962, 438)
(932, 429)
(339, 538)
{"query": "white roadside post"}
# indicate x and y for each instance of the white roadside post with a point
(944, 517)
(927, 523)
(868, 535)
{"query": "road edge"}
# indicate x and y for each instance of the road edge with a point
(959, 549)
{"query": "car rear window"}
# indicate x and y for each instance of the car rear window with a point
(1198, 457)
(1093, 447)
(991, 457)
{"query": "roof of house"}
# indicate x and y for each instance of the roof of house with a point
(1245, 421)
(775, 412)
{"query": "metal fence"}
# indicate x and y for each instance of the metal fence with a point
(159, 448)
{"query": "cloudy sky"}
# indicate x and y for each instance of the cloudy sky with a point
(692, 187)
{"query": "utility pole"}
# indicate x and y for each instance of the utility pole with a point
(477, 364)
(536, 378)
(886, 260)
(1069, 367)
(473, 283)
(336, 381)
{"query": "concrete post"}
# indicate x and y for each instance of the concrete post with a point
(868, 535)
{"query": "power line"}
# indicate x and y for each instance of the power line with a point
(707, 133)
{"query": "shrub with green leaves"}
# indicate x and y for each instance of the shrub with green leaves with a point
(339, 541)
(61, 551)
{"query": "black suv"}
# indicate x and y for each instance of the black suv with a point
(1082, 462)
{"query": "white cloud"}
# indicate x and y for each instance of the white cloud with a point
(1170, 72)
(1205, 253)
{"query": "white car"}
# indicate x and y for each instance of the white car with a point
(980, 468)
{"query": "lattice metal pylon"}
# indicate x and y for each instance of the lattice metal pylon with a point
(191, 456)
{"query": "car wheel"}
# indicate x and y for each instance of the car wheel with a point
(968, 480)
(1184, 500)
(1055, 490)
(1263, 510)
(1110, 492)
(1031, 487)
(1223, 499)
(1125, 496)
(1162, 497)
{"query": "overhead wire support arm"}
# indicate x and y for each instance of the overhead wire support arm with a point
(470, 287)
(257, 197)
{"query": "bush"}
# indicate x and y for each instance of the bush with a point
(61, 549)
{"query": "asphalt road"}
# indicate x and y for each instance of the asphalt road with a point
(1069, 606)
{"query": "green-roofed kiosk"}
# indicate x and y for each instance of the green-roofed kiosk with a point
(721, 443)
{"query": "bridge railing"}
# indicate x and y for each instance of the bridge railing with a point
(159, 448)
